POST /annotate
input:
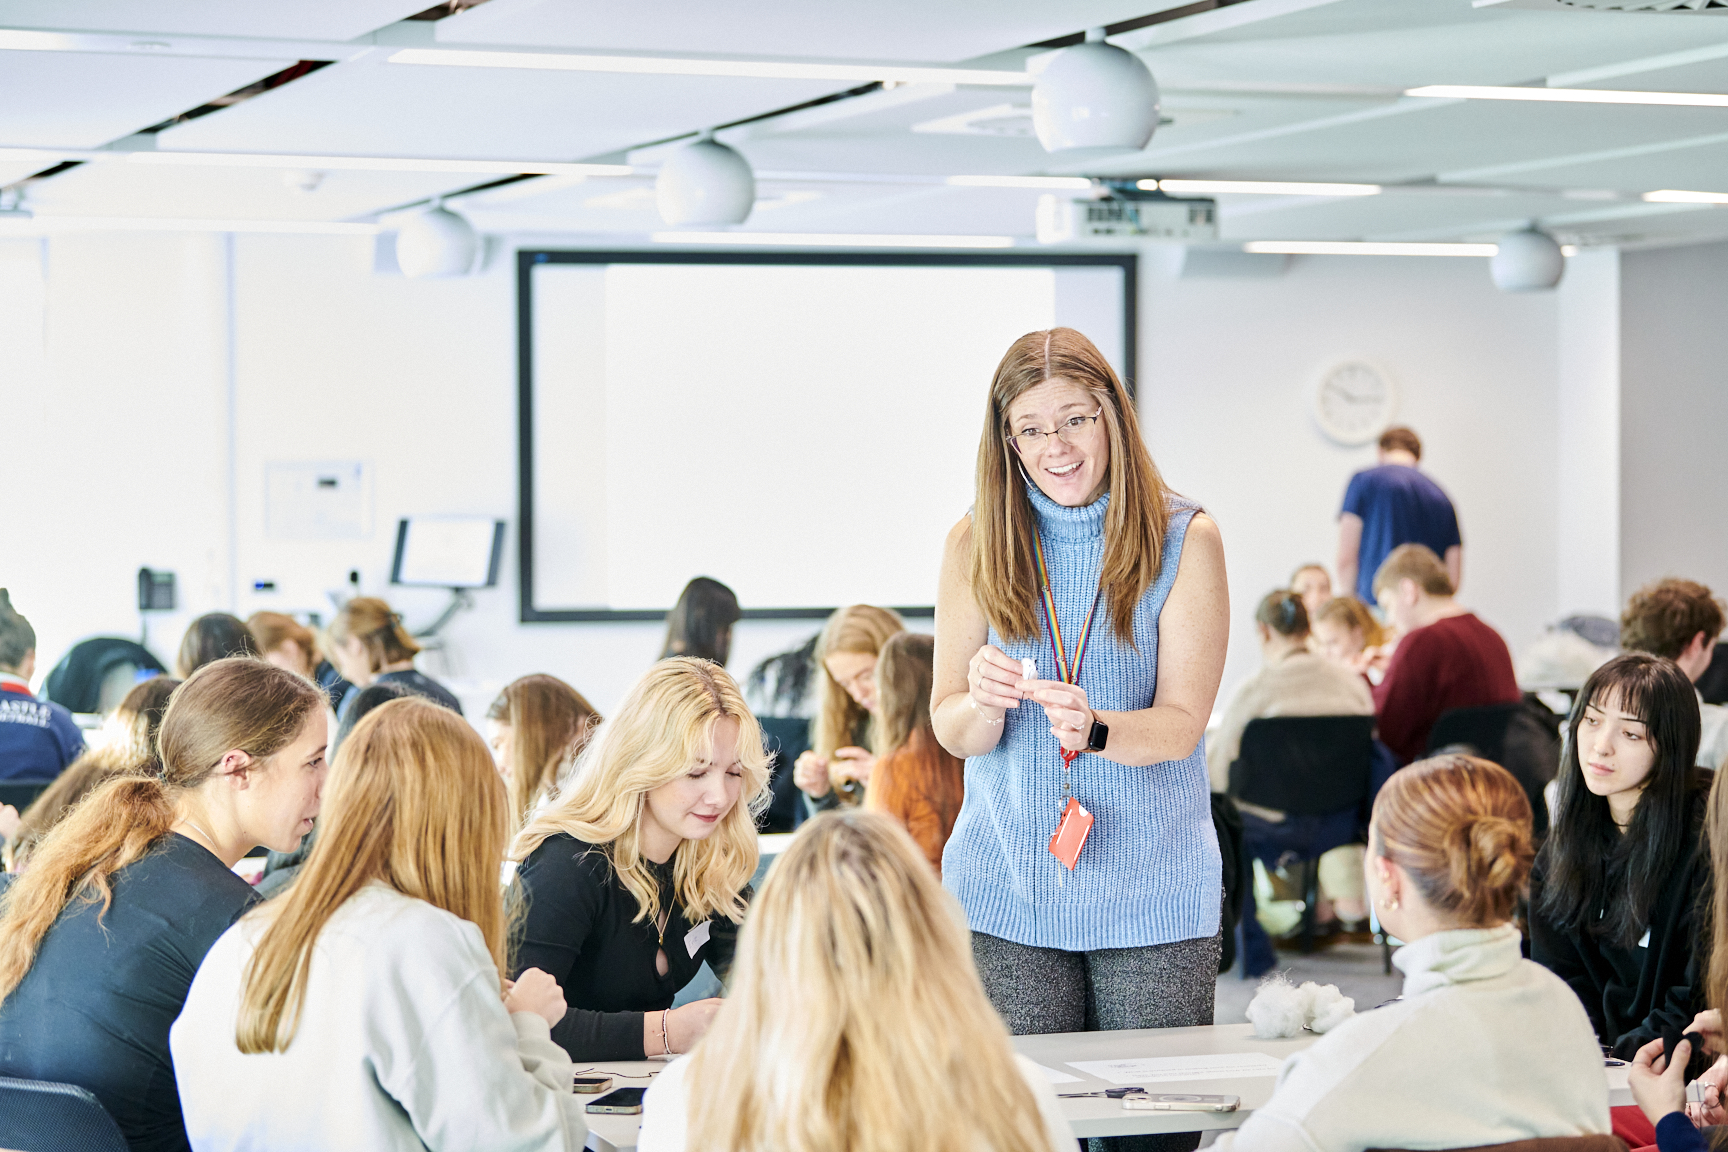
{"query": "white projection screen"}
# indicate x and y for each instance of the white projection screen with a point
(801, 427)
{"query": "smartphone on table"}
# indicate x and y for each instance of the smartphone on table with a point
(620, 1102)
(1180, 1102)
(588, 1085)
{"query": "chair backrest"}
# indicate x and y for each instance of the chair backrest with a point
(1597, 1142)
(1304, 765)
(22, 793)
(39, 1116)
(1482, 727)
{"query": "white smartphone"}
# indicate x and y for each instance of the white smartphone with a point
(1180, 1102)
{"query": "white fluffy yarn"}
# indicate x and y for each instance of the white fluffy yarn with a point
(1280, 1009)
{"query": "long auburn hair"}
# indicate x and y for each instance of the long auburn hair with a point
(1003, 568)
(1590, 867)
(855, 1020)
(550, 723)
(661, 729)
(237, 703)
(861, 628)
(904, 672)
(416, 803)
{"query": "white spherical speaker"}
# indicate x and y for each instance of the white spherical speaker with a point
(437, 242)
(705, 183)
(1527, 261)
(1093, 99)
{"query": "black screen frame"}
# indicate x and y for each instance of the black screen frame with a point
(527, 258)
(494, 561)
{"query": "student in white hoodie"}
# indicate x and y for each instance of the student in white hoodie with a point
(1485, 1047)
(366, 1008)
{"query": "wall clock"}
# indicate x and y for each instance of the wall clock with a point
(1354, 402)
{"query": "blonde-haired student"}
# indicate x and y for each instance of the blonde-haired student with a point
(641, 869)
(367, 1008)
(856, 1019)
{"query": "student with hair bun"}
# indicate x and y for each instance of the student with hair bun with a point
(101, 937)
(38, 738)
(287, 643)
(1484, 1047)
(367, 643)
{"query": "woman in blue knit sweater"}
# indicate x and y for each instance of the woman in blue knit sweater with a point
(1080, 636)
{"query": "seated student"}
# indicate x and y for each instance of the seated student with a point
(916, 780)
(1484, 1047)
(1313, 584)
(641, 870)
(367, 1007)
(885, 1039)
(846, 705)
(213, 636)
(100, 938)
(1613, 895)
(1293, 681)
(536, 729)
(129, 744)
(287, 643)
(368, 644)
(1345, 632)
(1681, 620)
(700, 624)
(1446, 657)
(38, 738)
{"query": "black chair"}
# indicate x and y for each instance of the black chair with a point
(21, 794)
(1522, 737)
(1303, 766)
(38, 1116)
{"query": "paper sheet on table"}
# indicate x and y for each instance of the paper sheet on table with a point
(1158, 1069)
(1057, 1077)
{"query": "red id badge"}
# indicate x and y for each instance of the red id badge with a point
(1071, 832)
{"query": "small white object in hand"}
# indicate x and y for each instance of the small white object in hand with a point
(1028, 670)
(1280, 1009)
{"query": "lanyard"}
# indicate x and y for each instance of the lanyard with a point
(1069, 674)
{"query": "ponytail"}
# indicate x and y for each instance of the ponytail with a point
(372, 621)
(1284, 613)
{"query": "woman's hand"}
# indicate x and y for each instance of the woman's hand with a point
(9, 821)
(810, 773)
(854, 762)
(1659, 1085)
(1708, 1024)
(686, 1025)
(1067, 709)
(993, 679)
(1712, 1088)
(537, 992)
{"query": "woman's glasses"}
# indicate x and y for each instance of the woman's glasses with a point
(1070, 431)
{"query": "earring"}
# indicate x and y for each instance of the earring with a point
(1391, 903)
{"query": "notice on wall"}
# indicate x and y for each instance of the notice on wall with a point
(318, 500)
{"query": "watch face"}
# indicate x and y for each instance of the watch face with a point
(1099, 736)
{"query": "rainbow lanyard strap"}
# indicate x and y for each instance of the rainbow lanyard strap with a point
(1069, 674)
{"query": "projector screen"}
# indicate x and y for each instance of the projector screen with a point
(800, 427)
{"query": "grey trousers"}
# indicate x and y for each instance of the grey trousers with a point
(1038, 990)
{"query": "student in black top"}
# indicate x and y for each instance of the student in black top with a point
(1619, 886)
(213, 636)
(287, 643)
(101, 936)
(368, 644)
(640, 871)
(700, 624)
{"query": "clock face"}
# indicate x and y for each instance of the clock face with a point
(1354, 402)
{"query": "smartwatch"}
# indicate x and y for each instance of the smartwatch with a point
(1099, 736)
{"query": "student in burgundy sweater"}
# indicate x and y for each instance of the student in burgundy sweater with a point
(1446, 657)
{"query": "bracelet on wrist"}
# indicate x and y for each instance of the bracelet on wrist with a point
(665, 1041)
(973, 701)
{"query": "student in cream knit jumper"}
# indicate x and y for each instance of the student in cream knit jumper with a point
(1127, 937)
(1485, 1047)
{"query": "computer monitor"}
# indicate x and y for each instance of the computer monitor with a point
(448, 551)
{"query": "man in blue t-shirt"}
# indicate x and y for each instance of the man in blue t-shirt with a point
(1390, 505)
(37, 738)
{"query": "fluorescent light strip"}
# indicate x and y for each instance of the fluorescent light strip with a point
(669, 66)
(1365, 248)
(43, 223)
(832, 239)
(374, 163)
(1261, 187)
(1677, 196)
(1570, 95)
(1078, 183)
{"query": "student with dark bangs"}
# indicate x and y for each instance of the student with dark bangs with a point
(1617, 889)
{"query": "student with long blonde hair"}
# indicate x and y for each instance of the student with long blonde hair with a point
(100, 938)
(537, 727)
(842, 744)
(916, 781)
(856, 1021)
(641, 870)
(367, 1007)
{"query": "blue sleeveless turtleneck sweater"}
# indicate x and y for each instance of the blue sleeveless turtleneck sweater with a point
(1150, 872)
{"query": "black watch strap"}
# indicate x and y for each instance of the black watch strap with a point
(1099, 736)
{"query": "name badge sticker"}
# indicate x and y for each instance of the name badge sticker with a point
(695, 938)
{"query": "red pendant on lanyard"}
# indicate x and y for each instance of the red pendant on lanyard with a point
(1076, 823)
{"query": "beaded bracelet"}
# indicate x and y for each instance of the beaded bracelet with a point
(665, 1041)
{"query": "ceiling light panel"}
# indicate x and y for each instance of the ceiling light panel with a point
(86, 99)
(300, 19)
(839, 73)
(1680, 196)
(1571, 96)
(832, 240)
(1365, 248)
(375, 109)
(903, 30)
(455, 166)
(1179, 187)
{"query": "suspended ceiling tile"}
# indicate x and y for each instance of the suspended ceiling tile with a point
(885, 30)
(1394, 215)
(87, 99)
(374, 108)
(294, 19)
(1699, 169)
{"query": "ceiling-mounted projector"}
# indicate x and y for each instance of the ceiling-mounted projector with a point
(1061, 221)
